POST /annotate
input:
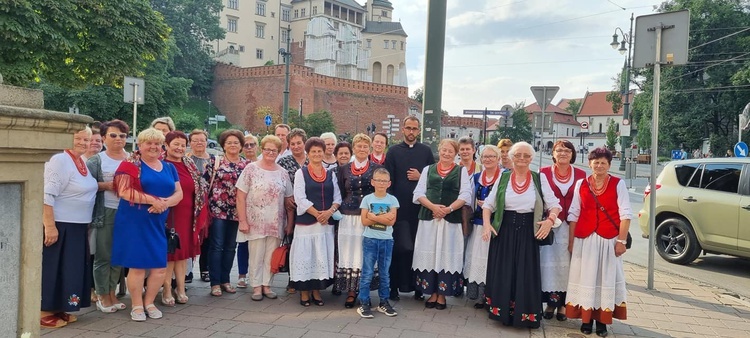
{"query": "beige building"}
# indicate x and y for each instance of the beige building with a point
(339, 38)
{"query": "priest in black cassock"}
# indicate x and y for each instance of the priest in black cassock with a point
(405, 161)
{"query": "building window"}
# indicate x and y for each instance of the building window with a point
(393, 44)
(302, 12)
(384, 14)
(232, 25)
(315, 10)
(260, 8)
(385, 45)
(260, 31)
(402, 45)
(285, 14)
(259, 54)
(296, 13)
(369, 43)
(234, 4)
(284, 35)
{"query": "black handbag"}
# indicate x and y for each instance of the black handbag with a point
(173, 239)
(629, 241)
(550, 239)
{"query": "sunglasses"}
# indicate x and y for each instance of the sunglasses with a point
(250, 145)
(115, 135)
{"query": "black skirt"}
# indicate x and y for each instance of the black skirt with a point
(514, 278)
(66, 270)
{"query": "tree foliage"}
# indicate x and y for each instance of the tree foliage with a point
(418, 95)
(520, 131)
(74, 43)
(611, 135)
(573, 107)
(701, 100)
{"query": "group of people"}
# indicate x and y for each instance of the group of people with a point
(358, 217)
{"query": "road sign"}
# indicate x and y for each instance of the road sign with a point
(584, 125)
(676, 154)
(544, 95)
(505, 113)
(740, 149)
(129, 85)
(625, 122)
(674, 39)
(220, 118)
(267, 120)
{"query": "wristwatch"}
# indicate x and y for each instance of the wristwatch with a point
(622, 241)
(450, 207)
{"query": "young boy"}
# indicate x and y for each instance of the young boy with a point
(378, 216)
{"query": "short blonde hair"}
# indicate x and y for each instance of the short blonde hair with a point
(361, 138)
(272, 139)
(506, 142)
(491, 148)
(329, 135)
(251, 137)
(451, 142)
(166, 120)
(88, 131)
(150, 134)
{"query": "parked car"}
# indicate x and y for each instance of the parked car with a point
(702, 205)
(212, 144)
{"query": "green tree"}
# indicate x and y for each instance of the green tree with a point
(573, 107)
(318, 123)
(74, 43)
(520, 131)
(418, 95)
(615, 98)
(611, 135)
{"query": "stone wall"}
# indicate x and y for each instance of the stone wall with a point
(238, 92)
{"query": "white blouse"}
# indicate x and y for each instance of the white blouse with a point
(525, 201)
(300, 196)
(70, 194)
(623, 202)
(464, 192)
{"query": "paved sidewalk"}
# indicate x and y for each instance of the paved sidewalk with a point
(678, 308)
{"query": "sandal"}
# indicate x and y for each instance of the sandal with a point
(242, 282)
(318, 302)
(167, 301)
(153, 312)
(349, 303)
(67, 317)
(548, 314)
(52, 322)
(120, 306)
(182, 299)
(216, 291)
(228, 288)
(139, 316)
(303, 302)
(105, 309)
(205, 277)
(601, 329)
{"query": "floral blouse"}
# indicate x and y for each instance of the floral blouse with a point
(222, 195)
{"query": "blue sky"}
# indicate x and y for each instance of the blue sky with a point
(497, 49)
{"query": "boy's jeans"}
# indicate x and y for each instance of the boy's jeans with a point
(380, 251)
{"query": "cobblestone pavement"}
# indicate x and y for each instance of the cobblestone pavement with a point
(678, 307)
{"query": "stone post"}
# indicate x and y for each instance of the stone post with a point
(29, 136)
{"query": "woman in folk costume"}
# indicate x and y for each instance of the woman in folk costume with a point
(555, 258)
(442, 190)
(599, 217)
(514, 286)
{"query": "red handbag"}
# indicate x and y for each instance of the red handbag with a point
(280, 257)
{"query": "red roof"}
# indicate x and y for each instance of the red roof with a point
(564, 103)
(595, 104)
(534, 108)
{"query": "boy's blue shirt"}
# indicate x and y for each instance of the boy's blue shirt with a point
(379, 206)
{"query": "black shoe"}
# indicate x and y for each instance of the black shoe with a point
(440, 306)
(350, 304)
(548, 314)
(479, 305)
(601, 329)
(586, 328)
(189, 278)
(205, 277)
(418, 295)
(387, 309)
(365, 311)
(430, 305)
(394, 295)
(561, 317)
(336, 292)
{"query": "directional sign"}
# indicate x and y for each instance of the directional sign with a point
(676, 154)
(740, 149)
(268, 120)
(504, 113)
(584, 125)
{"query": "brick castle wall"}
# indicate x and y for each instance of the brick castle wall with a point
(238, 92)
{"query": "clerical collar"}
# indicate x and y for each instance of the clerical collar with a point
(359, 165)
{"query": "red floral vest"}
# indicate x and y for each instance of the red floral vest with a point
(567, 198)
(591, 218)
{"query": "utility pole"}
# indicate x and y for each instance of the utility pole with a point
(287, 54)
(433, 80)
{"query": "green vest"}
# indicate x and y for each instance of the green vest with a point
(500, 199)
(442, 191)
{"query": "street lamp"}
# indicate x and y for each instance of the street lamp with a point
(627, 39)
(287, 55)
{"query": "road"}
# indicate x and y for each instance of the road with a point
(730, 273)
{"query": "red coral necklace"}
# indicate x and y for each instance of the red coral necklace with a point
(358, 172)
(562, 178)
(444, 171)
(520, 188)
(80, 165)
(488, 182)
(600, 190)
(317, 178)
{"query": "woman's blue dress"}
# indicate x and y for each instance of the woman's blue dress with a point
(138, 240)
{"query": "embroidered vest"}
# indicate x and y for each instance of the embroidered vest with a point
(442, 191)
(319, 193)
(591, 218)
(567, 198)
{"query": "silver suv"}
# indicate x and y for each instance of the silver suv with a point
(701, 205)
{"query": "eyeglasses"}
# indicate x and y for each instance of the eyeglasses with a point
(270, 151)
(381, 181)
(250, 145)
(115, 135)
(520, 156)
(412, 129)
(563, 151)
(489, 157)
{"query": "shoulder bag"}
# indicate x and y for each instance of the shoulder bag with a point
(173, 239)
(601, 207)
